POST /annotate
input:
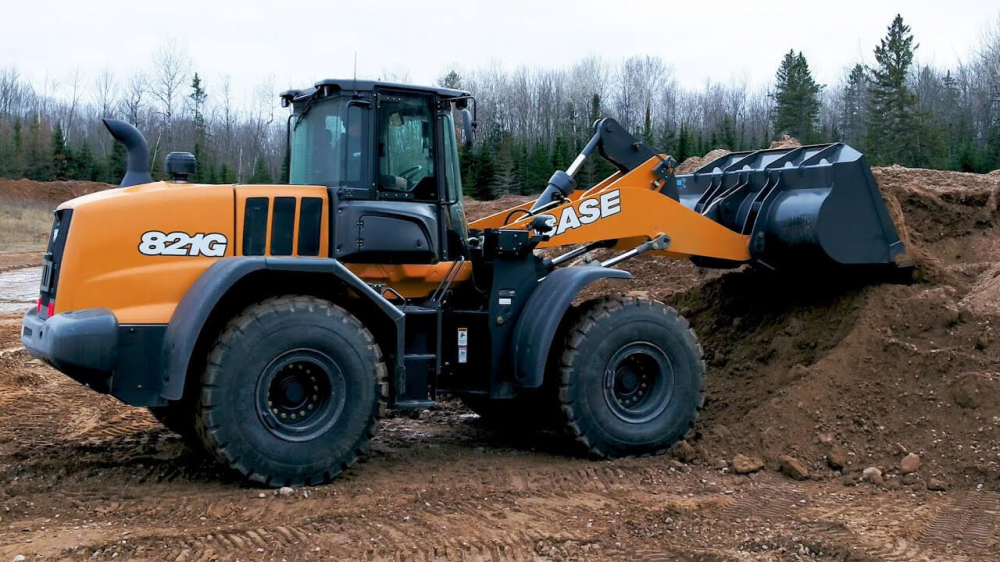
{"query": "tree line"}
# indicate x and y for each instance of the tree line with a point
(531, 121)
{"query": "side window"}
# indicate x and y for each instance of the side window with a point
(406, 143)
(356, 125)
(452, 170)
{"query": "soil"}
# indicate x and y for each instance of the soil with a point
(18, 260)
(694, 162)
(54, 192)
(786, 141)
(804, 373)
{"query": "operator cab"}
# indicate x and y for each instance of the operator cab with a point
(388, 153)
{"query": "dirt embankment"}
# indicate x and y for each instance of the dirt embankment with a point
(26, 216)
(52, 192)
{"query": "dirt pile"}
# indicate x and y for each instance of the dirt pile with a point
(786, 141)
(808, 367)
(53, 192)
(693, 163)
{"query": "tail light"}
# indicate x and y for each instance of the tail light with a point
(38, 309)
(50, 310)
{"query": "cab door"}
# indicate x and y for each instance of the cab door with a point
(401, 222)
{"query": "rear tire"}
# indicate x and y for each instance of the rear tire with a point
(291, 392)
(631, 378)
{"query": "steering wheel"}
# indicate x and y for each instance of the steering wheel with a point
(410, 173)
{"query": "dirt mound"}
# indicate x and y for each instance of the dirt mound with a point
(49, 191)
(693, 163)
(798, 365)
(786, 141)
(476, 210)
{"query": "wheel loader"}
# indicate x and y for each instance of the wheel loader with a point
(273, 324)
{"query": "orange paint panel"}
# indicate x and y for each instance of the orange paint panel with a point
(410, 280)
(243, 192)
(103, 266)
(645, 213)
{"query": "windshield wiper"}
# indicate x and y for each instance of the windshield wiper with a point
(308, 107)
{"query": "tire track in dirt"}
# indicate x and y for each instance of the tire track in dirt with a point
(968, 520)
(442, 487)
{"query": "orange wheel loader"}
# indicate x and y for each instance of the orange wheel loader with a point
(272, 324)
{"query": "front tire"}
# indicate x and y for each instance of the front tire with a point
(632, 377)
(291, 392)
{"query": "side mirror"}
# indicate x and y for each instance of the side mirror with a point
(468, 127)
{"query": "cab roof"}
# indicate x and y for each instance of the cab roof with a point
(352, 85)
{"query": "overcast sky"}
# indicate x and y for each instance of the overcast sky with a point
(302, 41)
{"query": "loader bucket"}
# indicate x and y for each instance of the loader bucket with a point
(801, 206)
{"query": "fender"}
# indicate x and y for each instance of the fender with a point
(542, 315)
(193, 311)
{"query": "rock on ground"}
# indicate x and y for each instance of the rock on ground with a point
(683, 451)
(838, 457)
(743, 464)
(872, 474)
(910, 463)
(793, 468)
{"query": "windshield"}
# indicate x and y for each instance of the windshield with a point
(327, 144)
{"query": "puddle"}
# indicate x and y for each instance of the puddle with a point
(19, 289)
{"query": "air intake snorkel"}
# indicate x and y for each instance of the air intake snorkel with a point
(137, 171)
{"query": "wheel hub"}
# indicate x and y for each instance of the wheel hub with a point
(300, 394)
(638, 382)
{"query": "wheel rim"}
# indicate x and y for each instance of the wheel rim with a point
(638, 382)
(300, 394)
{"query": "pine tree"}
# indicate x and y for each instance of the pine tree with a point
(261, 172)
(647, 125)
(892, 136)
(855, 107)
(61, 155)
(485, 172)
(13, 159)
(117, 163)
(467, 163)
(726, 137)
(199, 97)
(83, 161)
(504, 166)
(668, 141)
(684, 148)
(451, 80)
(227, 175)
(539, 168)
(796, 98)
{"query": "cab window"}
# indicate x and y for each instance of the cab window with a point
(405, 147)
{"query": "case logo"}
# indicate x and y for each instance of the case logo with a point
(607, 204)
(156, 243)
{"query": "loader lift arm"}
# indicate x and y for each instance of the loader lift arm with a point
(815, 207)
(636, 204)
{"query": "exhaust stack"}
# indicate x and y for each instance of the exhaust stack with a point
(137, 171)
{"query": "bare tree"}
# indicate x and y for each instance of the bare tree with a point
(74, 82)
(170, 68)
(105, 93)
(132, 101)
